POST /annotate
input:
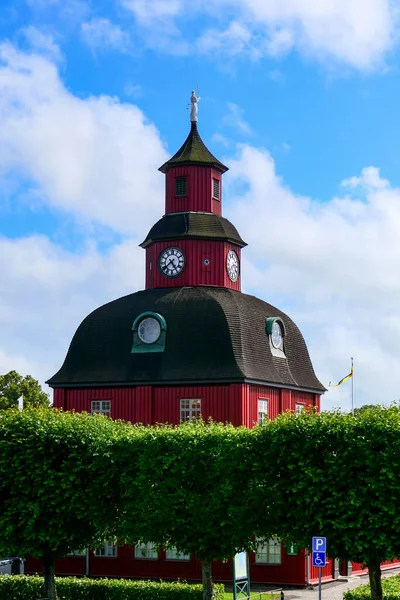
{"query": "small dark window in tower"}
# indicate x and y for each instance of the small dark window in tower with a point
(180, 186)
(216, 189)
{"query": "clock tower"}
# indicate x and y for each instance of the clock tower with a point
(193, 244)
(190, 345)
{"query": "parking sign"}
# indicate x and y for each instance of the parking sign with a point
(319, 544)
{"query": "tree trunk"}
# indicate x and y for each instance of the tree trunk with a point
(374, 572)
(208, 586)
(49, 581)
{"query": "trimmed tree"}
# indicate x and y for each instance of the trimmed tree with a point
(58, 484)
(336, 475)
(13, 386)
(189, 487)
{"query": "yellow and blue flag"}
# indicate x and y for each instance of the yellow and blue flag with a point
(349, 376)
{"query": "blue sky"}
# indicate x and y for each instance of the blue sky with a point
(299, 99)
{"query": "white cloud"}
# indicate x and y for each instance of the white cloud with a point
(369, 178)
(94, 158)
(234, 118)
(332, 266)
(46, 292)
(100, 33)
(156, 9)
(357, 33)
(42, 42)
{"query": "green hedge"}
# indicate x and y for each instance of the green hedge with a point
(390, 589)
(30, 587)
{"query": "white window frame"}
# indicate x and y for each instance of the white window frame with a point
(189, 408)
(173, 554)
(100, 407)
(269, 553)
(262, 410)
(147, 551)
(107, 550)
(299, 407)
(216, 183)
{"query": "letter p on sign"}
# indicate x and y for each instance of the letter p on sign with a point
(319, 544)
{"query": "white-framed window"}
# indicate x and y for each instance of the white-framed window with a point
(174, 554)
(180, 186)
(190, 409)
(215, 188)
(262, 411)
(102, 407)
(109, 548)
(299, 407)
(269, 552)
(148, 550)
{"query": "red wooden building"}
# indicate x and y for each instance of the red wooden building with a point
(191, 343)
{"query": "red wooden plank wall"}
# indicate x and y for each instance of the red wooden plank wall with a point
(198, 187)
(195, 272)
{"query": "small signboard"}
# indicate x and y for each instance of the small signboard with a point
(240, 566)
(319, 544)
(292, 549)
(319, 559)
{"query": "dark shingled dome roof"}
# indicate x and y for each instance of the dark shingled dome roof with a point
(193, 225)
(214, 335)
(193, 151)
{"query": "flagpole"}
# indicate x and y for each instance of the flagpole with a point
(352, 387)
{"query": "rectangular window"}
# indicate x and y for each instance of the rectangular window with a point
(174, 554)
(216, 189)
(299, 408)
(190, 409)
(262, 411)
(148, 550)
(101, 407)
(107, 549)
(180, 186)
(269, 552)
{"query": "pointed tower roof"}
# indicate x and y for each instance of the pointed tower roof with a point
(193, 152)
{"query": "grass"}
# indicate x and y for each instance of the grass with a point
(256, 596)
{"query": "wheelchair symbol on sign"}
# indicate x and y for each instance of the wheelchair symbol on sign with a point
(318, 561)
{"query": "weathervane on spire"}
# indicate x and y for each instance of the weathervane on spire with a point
(194, 98)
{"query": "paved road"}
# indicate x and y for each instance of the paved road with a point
(333, 591)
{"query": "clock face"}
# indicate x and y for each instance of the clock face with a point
(149, 330)
(171, 262)
(276, 335)
(232, 265)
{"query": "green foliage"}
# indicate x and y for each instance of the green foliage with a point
(13, 386)
(335, 475)
(25, 587)
(190, 487)
(390, 586)
(58, 487)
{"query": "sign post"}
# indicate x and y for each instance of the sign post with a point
(319, 559)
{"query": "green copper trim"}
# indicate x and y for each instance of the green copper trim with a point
(269, 321)
(139, 347)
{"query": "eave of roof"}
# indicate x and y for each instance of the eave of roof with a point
(193, 225)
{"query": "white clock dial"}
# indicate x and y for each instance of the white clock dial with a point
(171, 262)
(276, 335)
(149, 330)
(232, 265)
